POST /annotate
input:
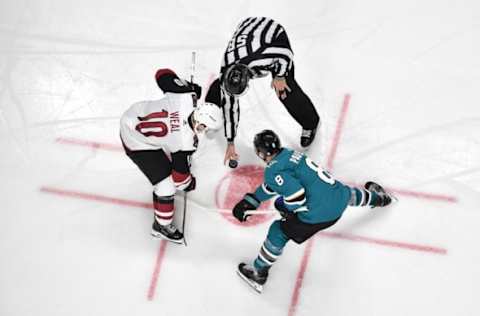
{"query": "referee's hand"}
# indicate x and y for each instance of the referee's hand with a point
(230, 153)
(281, 87)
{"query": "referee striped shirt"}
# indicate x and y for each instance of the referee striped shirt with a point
(262, 45)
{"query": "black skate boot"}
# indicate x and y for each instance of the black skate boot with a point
(168, 232)
(308, 135)
(255, 278)
(384, 198)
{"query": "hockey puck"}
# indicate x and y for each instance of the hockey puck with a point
(233, 164)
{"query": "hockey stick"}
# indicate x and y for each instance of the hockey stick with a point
(193, 66)
(229, 211)
(192, 73)
(185, 193)
(251, 212)
(184, 216)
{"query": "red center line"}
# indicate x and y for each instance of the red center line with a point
(338, 132)
(156, 271)
(423, 195)
(301, 273)
(305, 258)
(308, 249)
(123, 202)
(414, 194)
(95, 197)
(110, 200)
(388, 243)
(92, 144)
(306, 254)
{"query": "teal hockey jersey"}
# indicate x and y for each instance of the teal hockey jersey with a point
(307, 189)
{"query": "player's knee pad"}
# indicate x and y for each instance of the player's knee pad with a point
(165, 187)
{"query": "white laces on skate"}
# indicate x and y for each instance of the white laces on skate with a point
(170, 228)
(306, 133)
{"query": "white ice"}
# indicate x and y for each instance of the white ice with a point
(68, 70)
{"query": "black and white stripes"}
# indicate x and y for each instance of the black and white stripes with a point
(267, 256)
(261, 44)
(231, 115)
(297, 198)
(360, 197)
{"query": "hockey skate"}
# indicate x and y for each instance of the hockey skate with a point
(384, 197)
(256, 279)
(168, 232)
(307, 137)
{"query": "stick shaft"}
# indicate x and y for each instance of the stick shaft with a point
(184, 217)
(193, 66)
(228, 211)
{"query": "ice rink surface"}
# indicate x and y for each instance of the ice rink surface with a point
(395, 82)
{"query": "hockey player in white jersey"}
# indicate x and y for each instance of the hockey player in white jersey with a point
(160, 136)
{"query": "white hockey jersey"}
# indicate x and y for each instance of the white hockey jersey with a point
(160, 124)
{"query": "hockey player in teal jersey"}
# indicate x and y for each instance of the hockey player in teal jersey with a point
(309, 200)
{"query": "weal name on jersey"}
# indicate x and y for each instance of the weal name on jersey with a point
(175, 121)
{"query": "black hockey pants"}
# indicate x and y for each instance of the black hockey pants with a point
(299, 105)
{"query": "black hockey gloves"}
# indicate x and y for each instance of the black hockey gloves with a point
(192, 185)
(195, 88)
(249, 202)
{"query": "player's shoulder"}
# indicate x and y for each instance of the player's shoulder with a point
(278, 165)
(285, 158)
(182, 102)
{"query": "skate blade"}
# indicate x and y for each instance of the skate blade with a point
(393, 197)
(257, 287)
(157, 235)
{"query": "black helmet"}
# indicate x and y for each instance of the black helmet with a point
(266, 144)
(235, 79)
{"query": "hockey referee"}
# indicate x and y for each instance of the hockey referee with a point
(260, 46)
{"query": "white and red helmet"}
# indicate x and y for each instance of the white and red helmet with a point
(209, 115)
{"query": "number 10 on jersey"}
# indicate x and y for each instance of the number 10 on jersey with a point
(156, 128)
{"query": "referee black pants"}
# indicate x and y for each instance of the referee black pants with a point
(299, 105)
